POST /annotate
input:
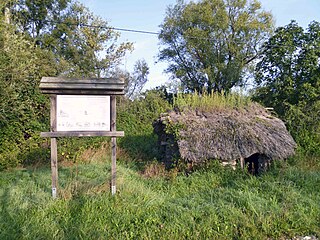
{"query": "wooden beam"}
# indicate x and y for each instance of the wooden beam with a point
(81, 86)
(82, 134)
(113, 103)
(242, 162)
(75, 86)
(54, 155)
(81, 92)
(7, 15)
(82, 80)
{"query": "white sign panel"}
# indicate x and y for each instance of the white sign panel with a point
(83, 113)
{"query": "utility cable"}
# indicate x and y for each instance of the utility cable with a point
(136, 31)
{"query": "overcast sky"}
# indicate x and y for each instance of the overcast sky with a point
(147, 15)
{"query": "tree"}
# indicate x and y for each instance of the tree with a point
(288, 71)
(211, 43)
(20, 101)
(35, 16)
(82, 43)
(138, 79)
(288, 79)
(135, 81)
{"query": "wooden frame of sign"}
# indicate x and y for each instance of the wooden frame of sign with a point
(96, 117)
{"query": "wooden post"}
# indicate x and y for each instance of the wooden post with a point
(7, 15)
(113, 145)
(242, 162)
(54, 157)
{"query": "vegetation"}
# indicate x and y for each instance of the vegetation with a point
(45, 38)
(210, 203)
(210, 44)
(77, 48)
(21, 103)
(211, 101)
(135, 118)
(288, 77)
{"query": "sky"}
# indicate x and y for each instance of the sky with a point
(147, 15)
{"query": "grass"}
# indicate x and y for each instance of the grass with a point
(212, 203)
(211, 101)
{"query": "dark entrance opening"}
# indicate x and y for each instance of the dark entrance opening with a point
(257, 163)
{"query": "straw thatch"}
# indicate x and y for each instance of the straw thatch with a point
(228, 135)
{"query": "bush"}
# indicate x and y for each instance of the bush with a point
(304, 124)
(136, 118)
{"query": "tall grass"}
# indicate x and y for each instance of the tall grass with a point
(212, 203)
(211, 101)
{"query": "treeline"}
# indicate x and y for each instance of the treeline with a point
(209, 45)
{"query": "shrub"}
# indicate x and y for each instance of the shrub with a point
(135, 118)
(304, 124)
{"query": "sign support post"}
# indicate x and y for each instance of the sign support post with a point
(54, 155)
(113, 146)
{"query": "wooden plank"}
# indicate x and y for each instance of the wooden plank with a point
(54, 167)
(113, 146)
(81, 86)
(82, 80)
(81, 92)
(82, 134)
(242, 162)
(75, 86)
(54, 156)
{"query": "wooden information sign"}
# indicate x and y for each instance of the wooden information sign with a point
(82, 108)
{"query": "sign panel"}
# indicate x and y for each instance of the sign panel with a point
(83, 113)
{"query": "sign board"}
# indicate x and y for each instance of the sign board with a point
(83, 113)
(82, 108)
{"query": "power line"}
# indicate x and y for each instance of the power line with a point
(79, 24)
(99, 26)
(117, 29)
(134, 31)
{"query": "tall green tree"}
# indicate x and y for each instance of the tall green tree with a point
(82, 43)
(212, 43)
(288, 79)
(289, 69)
(35, 16)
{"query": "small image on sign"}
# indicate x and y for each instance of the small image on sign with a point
(83, 113)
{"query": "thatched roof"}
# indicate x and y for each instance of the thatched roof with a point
(227, 134)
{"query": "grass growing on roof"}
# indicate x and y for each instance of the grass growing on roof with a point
(211, 101)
